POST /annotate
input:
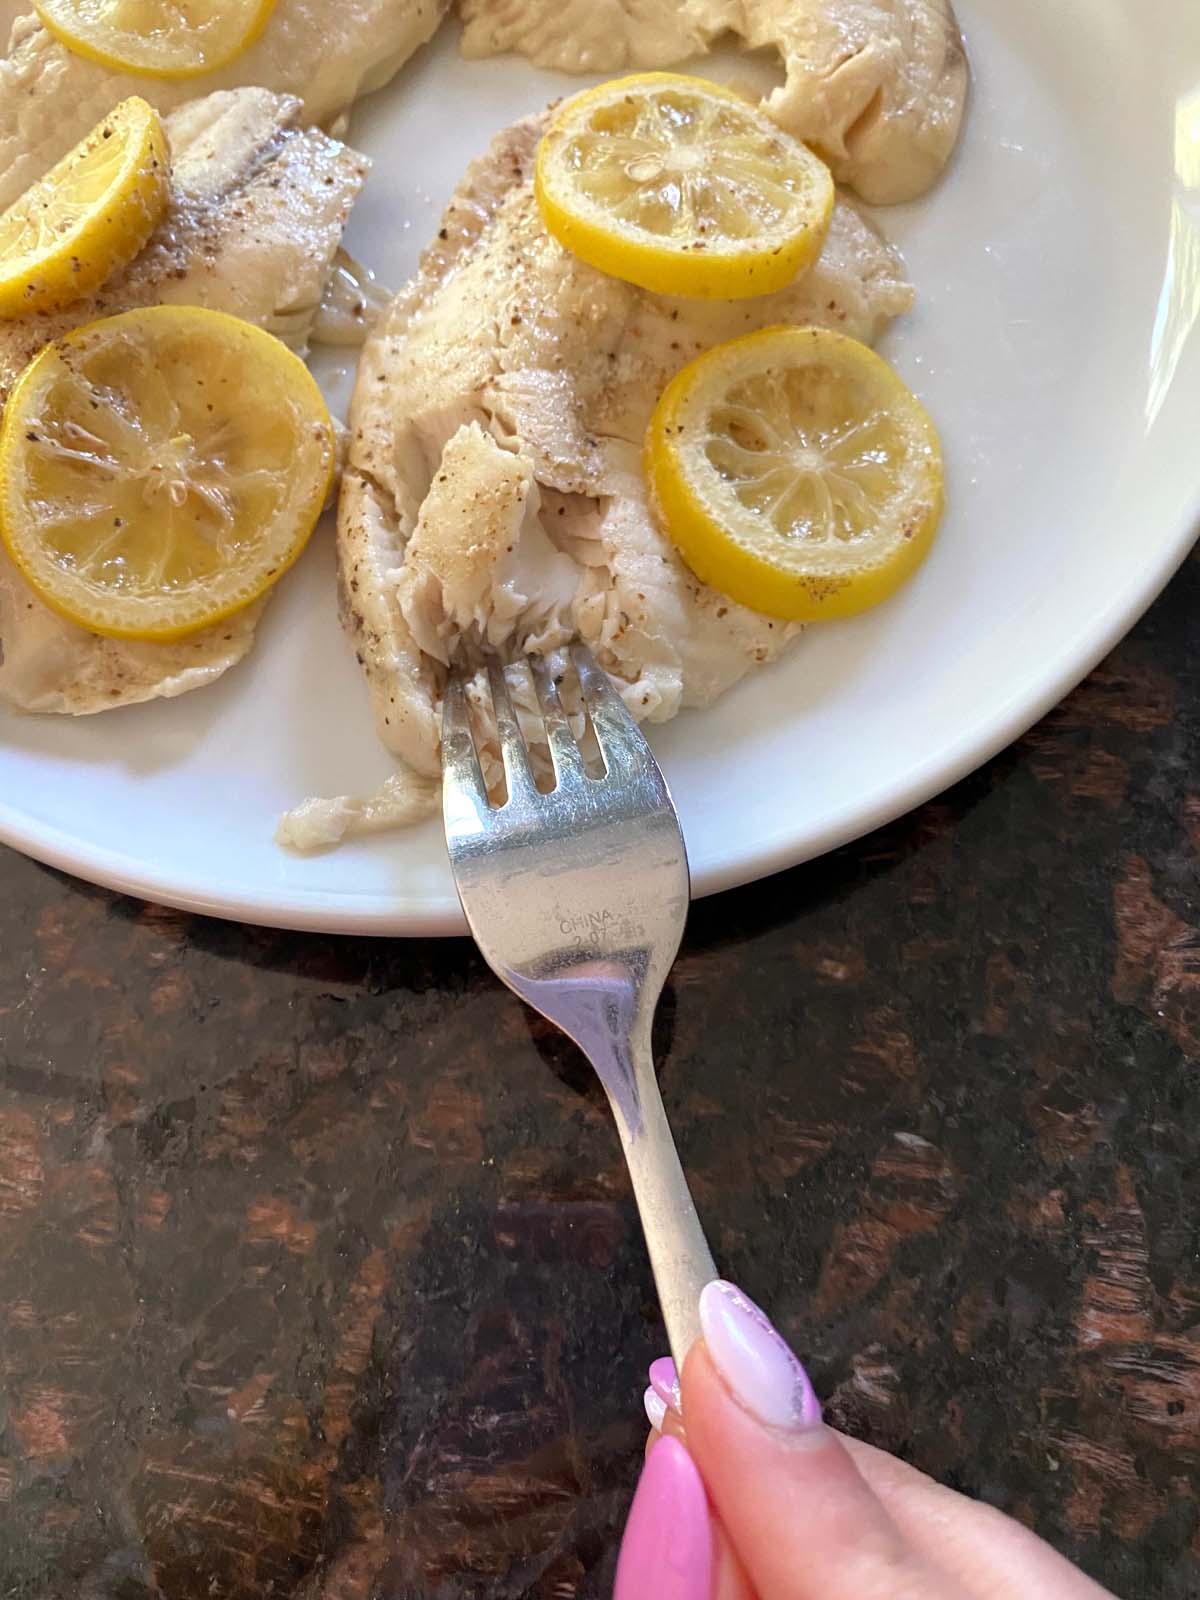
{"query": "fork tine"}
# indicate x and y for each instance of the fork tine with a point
(616, 731)
(568, 758)
(460, 760)
(512, 742)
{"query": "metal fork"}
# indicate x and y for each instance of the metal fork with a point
(577, 899)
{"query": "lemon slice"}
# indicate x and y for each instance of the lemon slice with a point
(682, 187)
(796, 473)
(158, 38)
(88, 216)
(161, 469)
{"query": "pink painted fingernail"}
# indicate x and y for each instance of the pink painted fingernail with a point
(656, 1409)
(664, 1380)
(667, 1553)
(757, 1366)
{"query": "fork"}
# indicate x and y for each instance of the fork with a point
(577, 899)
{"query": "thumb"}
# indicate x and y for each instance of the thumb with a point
(792, 1503)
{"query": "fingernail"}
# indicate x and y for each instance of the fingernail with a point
(664, 1380)
(756, 1364)
(666, 1553)
(656, 1409)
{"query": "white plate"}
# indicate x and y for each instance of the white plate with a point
(1058, 271)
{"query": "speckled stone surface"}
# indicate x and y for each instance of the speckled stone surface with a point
(319, 1273)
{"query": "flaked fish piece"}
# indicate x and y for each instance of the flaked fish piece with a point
(325, 52)
(316, 824)
(257, 213)
(877, 87)
(493, 495)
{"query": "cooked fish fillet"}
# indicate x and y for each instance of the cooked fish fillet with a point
(326, 52)
(494, 493)
(596, 35)
(258, 208)
(878, 87)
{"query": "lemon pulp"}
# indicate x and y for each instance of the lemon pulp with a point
(161, 469)
(795, 472)
(682, 187)
(89, 216)
(157, 38)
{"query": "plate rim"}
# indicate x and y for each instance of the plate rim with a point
(320, 912)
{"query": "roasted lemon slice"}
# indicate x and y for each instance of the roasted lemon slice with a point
(160, 469)
(158, 38)
(88, 216)
(796, 473)
(682, 187)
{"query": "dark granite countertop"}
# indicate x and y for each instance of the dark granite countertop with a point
(319, 1272)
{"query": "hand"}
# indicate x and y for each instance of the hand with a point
(754, 1498)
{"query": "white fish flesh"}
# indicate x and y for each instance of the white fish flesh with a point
(493, 494)
(877, 87)
(325, 52)
(258, 208)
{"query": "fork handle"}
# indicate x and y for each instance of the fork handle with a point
(679, 1255)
